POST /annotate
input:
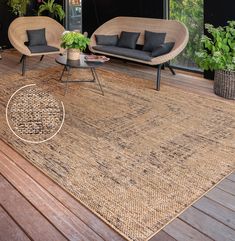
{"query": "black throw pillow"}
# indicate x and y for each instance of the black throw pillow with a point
(152, 39)
(128, 39)
(110, 40)
(36, 37)
(162, 49)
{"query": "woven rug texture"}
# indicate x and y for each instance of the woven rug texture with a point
(135, 157)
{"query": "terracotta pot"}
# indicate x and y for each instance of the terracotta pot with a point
(73, 54)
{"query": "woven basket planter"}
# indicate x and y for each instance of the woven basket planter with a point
(224, 84)
(73, 54)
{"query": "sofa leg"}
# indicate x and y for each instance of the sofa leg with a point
(23, 64)
(158, 77)
(41, 57)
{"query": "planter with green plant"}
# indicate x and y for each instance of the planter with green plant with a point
(19, 7)
(217, 54)
(53, 9)
(75, 43)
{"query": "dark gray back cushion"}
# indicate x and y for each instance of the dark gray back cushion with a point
(162, 49)
(152, 40)
(110, 40)
(36, 37)
(128, 39)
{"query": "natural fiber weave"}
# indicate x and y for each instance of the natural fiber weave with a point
(136, 157)
(34, 115)
(224, 84)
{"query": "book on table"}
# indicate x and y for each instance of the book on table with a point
(96, 58)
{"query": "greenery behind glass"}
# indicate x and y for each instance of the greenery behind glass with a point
(190, 12)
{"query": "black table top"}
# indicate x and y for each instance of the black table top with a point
(77, 63)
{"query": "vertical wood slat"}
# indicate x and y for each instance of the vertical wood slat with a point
(72, 204)
(9, 230)
(30, 220)
(72, 227)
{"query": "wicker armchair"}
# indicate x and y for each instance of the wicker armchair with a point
(175, 32)
(18, 36)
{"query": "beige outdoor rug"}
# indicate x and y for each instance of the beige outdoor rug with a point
(135, 157)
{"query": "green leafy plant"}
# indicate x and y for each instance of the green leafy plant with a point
(54, 9)
(19, 7)
(218, 50)
(74, 40)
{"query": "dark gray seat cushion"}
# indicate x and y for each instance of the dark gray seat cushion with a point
(42, 49)
(131, 53)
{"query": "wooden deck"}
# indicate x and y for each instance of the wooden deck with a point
(33, 207)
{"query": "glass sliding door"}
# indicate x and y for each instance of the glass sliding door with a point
(190, 12)
(73, 15)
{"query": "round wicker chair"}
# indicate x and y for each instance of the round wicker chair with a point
(18, 36)
(175, 32)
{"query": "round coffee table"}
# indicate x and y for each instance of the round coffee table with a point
(70, 64)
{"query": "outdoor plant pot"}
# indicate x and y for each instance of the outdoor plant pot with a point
(73, 54)
(224, 84)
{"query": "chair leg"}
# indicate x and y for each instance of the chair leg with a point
(41, 57)
(22, 57)
(158, 77)
(23, 60)
(172, 70)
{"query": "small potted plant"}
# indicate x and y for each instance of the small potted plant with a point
(74, 42)
(217, 54)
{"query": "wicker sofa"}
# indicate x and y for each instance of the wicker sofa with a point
(175, 32)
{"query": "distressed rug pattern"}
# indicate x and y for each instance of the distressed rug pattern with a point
(135, 157)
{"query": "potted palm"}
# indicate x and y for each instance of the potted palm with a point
(74, 42)
(217, 54)
(53, 9)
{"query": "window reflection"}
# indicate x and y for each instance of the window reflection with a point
(74, 15)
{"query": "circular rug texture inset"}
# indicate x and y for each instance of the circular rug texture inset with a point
(34, 115)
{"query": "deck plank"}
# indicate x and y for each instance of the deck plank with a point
(71, 226)
(71, 203)
(217, 211)
(162, 236)
(207, 225)
(34, 224)
(227, 186)
(9, 230)
(232, 177)
(184, 232)
(222, 197)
